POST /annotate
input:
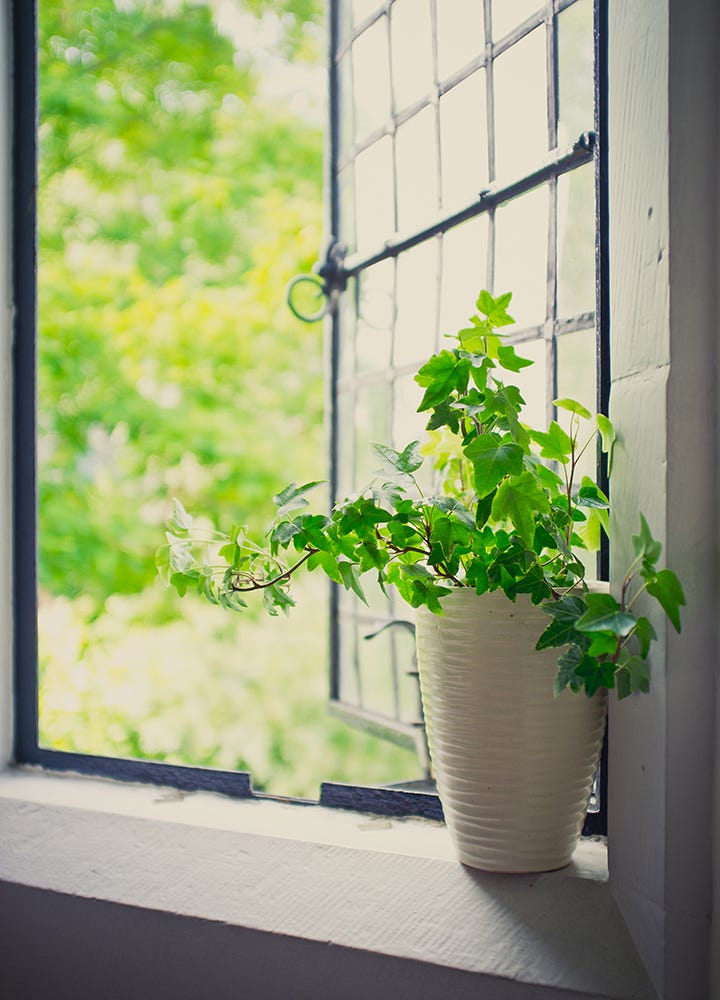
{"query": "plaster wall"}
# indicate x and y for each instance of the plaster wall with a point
(5, 395)
(663, 232)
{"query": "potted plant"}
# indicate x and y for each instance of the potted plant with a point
(492, 559)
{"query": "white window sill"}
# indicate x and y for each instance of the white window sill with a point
(384, 887)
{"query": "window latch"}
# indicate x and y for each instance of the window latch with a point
(310, 297)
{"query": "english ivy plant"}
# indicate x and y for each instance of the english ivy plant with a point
(505, 512)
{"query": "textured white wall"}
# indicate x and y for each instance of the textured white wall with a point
(663, 238)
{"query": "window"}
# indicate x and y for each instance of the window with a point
(463, 153)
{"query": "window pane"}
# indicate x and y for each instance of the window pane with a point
(374, 199)
(347, 329)
(576, 241)
(460, 34)
(521, 255)
(345, 444)
(349, 669)
(371, 427)
(416, 152)
(463, 142)
(375, 317)
(412, 64)
(520, 84)
(379, 691)
(346, 187)
(371, 79)
(508, 14)
(464, 273)
(347, 131)
(577, 379)
(362, 9)
(532, 381)
(416, 304)
(575, 71)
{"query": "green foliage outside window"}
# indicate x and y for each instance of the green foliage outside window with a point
(179, 191)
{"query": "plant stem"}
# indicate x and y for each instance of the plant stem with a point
(276, 579)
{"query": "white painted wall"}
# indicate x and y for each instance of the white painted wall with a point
(664, 321)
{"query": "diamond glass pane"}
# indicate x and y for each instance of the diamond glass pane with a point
(411, 47)
(576, 83)
(374, 198)
(371, 79)
(346, 341)
(347, 131)
(576, 242)
(464, 273)
(346, 190)
(463, 142)
(521, 255)
(417, 184)
(520, 96)
(460, 34)
(416, 303)
(508, 14)
(345, 438)
(362, 9)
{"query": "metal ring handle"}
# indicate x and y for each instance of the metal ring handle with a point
(319, 284)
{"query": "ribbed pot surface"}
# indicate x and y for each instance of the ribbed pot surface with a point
(514, 765)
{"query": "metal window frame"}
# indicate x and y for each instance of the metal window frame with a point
(24, 119)
(591, 146)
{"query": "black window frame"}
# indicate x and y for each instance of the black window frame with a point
(24, 124)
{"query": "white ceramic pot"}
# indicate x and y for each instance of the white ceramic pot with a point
(514, 765)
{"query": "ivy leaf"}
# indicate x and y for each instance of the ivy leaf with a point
(405, 462)
(567, 666)
(180, 522)
(443, 374)
(449, 505)
(603, 644)
(604, 614)
(351, 579)
(596, 673)
(554, 443)
(328, 563)
(633, 675)
(495, 309)
(276, 597)
(644, 545)
(667, 589)
(590, 495)
(511, 361)
(607, 437)
(573, 406)
(644, 633)
(565, 612)
(493, 459)
(519, 499)
(293, 498)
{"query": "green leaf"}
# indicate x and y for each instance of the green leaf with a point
(667, 589)
(604, 614)
(573, 406)
(511, 361)
(554, 443)
(495, 309)
(603, 644)
(596, 673)
(293, 498)
(351, 579)
(567, 666)
(180, 522)
(493, 459)
(474, 338)
(443, 374)
(633, 675)
(405, 462)
(519, 499)
(607, 437)
(644, 633)
(328, 563)
(557, 633)
(644, 545)
(590, 495)
(449, 505)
